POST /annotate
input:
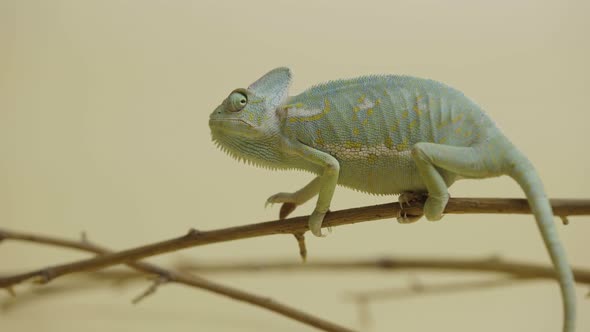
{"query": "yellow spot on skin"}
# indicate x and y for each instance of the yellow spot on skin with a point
(356, 109)
(365, 121)
(319, 139)
(315, 117)
(442, 124)
(412, 124)
(361, 99)
(405, 114)
(355, 131)
(443, 140)
(394, 127)
(251, 116)
(416, 107)
(458, 130)
(417, 110)
(369, 111)
(372, 158)
(297, 105)
(388, 142)
(468, 133)
(457, 118)
(353, 145)
(430, 137)
(403, 146)
(378, 102)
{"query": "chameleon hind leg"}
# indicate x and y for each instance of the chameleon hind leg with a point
(463, 161)
(292, 200)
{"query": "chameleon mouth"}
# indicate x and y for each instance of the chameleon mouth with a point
(222, 123)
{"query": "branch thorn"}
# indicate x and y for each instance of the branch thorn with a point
(300, 237)
(11, 291)
(193, 232)
(84, 237)
(150, 290)
(564, 220)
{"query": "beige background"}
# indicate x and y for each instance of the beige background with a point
(103, 129)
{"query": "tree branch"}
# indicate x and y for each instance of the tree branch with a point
(165, 276)
(561, 207)
(515, 269)
(418, 288)
(363, 299)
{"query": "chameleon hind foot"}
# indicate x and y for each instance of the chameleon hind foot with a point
(435, 206)
(315, 223)
(408, 198)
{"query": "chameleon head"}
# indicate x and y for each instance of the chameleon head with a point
(246, 112)
(238, 115)
(249, 115)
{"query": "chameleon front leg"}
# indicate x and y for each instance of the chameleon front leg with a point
(464, 161)
(292, 200)
(329, 170)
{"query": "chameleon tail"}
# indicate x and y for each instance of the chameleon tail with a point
(524, 173)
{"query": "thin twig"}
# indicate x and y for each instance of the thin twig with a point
(422, 289)
(165, 275)
(561, 207)
(300, 237)
(150, 290)
(363, 299)
(493, 264)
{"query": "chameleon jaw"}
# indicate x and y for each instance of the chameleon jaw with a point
(222, 123)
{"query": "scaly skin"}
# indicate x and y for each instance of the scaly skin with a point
(380, 135)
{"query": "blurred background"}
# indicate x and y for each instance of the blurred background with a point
(103, 129)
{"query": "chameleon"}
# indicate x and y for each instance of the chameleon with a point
(384, 135)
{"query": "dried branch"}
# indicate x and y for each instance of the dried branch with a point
(418, 288)
(164, 276)
(515, 269)
(296, 225)
(300, 237)
(363, 299)
(151, 290)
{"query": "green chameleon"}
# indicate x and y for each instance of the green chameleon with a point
(382, 134)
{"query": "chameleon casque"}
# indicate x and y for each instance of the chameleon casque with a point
(381, 134)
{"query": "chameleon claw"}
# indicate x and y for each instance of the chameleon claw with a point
(408, 198)
(405, 218)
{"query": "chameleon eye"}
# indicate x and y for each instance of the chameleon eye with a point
(237, 101)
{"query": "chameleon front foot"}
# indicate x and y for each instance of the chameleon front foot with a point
(289, 205)
(409, 198)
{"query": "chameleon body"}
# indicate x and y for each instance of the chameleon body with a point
(381, 135)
